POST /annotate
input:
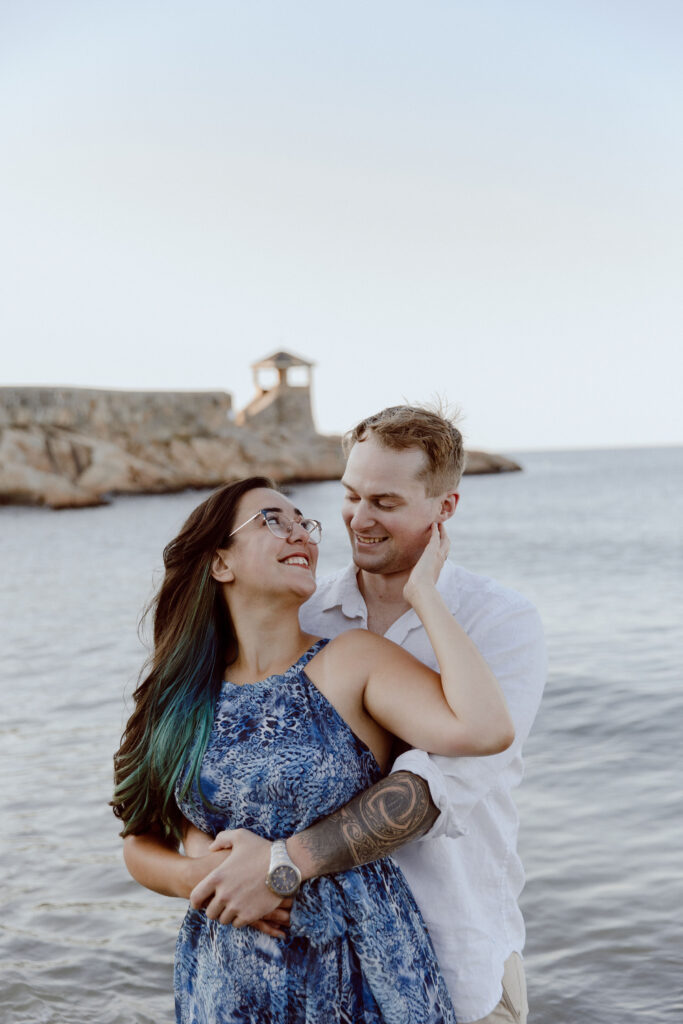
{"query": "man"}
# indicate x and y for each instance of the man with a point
(403, 469)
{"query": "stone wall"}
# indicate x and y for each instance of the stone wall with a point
(71, 447)
(139, 416)
(282, 408)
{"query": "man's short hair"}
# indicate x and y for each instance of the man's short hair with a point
(413, 426)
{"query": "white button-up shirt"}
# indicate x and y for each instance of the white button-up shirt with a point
(465, 873)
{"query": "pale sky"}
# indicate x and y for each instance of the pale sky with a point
(478, 200)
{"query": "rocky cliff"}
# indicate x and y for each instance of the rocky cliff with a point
(69, 447)
(72, 447)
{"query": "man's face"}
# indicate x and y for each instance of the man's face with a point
(386, 509)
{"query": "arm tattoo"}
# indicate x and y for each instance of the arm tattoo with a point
(373, 824)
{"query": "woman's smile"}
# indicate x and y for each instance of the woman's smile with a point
(302, 560)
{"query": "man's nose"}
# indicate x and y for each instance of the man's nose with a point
(361, 516)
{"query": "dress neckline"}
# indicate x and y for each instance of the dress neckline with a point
(302, 661)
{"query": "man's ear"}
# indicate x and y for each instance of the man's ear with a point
(449, 503)
(220, 570)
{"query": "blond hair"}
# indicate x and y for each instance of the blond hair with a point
(414, 426)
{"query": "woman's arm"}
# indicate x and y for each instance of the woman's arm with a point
(160, 867)
(460, 712)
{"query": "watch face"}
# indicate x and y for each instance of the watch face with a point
(284, 880)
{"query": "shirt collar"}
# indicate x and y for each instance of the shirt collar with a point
(344, 593)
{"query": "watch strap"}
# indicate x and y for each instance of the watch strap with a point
(279, 857)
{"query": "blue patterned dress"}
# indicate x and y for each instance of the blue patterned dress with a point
(280, 757)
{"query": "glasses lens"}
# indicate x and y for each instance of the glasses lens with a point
(313, 529)
(281, 525)
(278, 524)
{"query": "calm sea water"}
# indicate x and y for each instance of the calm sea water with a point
(594, 538)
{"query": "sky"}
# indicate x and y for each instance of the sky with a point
(479, 202)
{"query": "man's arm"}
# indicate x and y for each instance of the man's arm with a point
(373, 824)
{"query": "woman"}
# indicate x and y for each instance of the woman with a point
(244, 721)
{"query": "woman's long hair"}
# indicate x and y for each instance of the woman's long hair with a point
(166, 736)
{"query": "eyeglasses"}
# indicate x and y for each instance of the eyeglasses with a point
(281, 525)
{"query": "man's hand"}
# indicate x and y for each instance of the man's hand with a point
(196, 869)
(236, 892)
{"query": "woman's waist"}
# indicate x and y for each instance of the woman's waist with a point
(363, 901)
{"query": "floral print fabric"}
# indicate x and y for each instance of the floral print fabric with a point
(357, 952)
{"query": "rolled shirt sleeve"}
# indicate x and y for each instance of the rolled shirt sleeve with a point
(512, 643)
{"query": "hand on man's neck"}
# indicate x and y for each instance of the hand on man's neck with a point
(383, 596)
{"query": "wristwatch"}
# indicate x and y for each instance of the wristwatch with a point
(284, 877)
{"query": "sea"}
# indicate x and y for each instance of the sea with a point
(594, 538)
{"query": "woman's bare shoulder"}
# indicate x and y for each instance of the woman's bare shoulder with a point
(358, 654)
(364, 644)
(353, 649)
(357, 640)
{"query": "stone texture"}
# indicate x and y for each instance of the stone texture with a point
(487, 462)
(72, 447)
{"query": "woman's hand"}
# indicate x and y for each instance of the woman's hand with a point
(426, 570)
(236, 892)
(463, 713)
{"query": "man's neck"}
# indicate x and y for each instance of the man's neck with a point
(383, 596)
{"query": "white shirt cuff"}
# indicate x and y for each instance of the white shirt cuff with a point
(418, 762)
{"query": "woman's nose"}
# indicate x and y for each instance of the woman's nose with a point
(299, 533)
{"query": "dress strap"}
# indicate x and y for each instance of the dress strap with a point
(311, 652)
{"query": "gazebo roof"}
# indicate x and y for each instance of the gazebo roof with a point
(280, 361)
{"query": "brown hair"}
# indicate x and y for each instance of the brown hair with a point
(414, 426)
(194, 639)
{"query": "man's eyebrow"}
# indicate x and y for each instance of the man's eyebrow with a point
(394, 495)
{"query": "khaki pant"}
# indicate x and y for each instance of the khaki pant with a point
(513, 1007)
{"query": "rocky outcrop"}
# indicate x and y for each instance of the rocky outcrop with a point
(72, 447)
(487, 462)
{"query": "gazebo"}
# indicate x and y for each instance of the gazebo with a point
(282, 363)
(281, 403)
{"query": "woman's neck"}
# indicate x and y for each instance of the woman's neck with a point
(268, 642)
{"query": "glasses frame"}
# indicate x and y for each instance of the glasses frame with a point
(265, 512)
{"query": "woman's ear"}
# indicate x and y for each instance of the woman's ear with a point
(220, 570)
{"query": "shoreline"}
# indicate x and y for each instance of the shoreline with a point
(78, 447)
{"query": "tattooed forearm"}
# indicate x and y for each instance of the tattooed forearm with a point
(372, 825)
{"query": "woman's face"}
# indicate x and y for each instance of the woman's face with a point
(260, 560)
